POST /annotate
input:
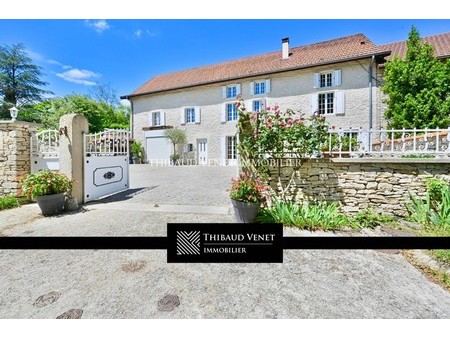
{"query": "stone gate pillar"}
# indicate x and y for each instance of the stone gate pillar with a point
(73, 127)
(14, 155)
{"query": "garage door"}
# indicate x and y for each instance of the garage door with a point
(158, 148)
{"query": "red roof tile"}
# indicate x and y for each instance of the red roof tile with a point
(440, 42)
(327, 52)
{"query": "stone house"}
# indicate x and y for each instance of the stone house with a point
(339, 78)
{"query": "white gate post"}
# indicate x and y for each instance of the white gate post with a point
(72, 129)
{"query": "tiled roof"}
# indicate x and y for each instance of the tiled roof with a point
(327, 52)
(440, 42)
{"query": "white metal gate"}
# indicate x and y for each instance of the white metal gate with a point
(106, 161)
(44, 152)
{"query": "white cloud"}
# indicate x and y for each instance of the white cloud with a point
(34, 55)
(98, 25)
(81, 76)
(138, 33)
(57, 63)
(150, 33)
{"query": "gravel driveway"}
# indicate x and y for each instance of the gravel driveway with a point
(130, 283)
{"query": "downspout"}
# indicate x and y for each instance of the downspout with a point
(370, 92)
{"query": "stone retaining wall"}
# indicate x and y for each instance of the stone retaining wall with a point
(382, 185)
(14, 155)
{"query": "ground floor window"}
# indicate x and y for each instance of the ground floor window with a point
(326, 103)
(231, 148)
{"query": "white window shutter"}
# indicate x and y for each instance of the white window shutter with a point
(339, 104)
(223, 114)
(252, 88)
(314, 103)
(197, 114)
(223, 148)
(238, 89)
(163, 118)
(316, 80)
(268, 86)
(150, 120)
(249, 105)
(183, 116)
(263, 105)
(337, 77)
(224, 92)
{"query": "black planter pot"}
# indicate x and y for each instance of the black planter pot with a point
(51, 204)
(245, 212)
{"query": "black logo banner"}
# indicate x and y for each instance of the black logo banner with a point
(224, 243)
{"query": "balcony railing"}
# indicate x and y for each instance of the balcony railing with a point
(387, 143)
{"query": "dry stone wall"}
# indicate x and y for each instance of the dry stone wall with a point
(14, 155)
(382, 185)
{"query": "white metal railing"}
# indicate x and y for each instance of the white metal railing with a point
(112, 142)
(387, 142)
(45, 144)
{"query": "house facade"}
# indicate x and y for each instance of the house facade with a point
(338, 78)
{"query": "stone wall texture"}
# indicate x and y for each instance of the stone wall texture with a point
(381, 185)
(14, 155)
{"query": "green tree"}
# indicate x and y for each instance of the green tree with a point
(177, 137)
(418, 88)
(20, 79)
(99, 114)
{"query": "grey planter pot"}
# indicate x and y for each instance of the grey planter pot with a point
(245, 212)
(51, 204)
(136, 160)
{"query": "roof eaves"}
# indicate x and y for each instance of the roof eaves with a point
(364, 56)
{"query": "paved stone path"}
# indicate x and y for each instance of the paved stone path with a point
(131, 283)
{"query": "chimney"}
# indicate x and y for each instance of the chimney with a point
(285, 48)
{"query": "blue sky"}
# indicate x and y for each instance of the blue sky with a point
(78, 53)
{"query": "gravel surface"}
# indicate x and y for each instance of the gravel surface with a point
(133, 283)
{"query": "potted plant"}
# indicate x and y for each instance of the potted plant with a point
(247, 193)
(136, 152)
(49, 188)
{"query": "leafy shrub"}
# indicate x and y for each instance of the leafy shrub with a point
(370, 219)
(136, 149)
(8, 202)
(46, 182)
(307, 216)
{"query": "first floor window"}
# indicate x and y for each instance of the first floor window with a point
(232, 114)
(231, 148)
(260, 87)
(156, 118)
(326, 103)
(190, 115)
(231, 91)
(326, 80)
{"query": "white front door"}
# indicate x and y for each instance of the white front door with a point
(202, 152)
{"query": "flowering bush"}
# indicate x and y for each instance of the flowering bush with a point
(275, 133)
(46, 182)
(249, 189)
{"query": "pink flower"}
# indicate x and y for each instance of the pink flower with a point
(281, 123)
(276, 107)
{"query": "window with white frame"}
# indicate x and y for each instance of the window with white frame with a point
(190, 115)
(231, 110)
(156, 118)
(326, 103)
(231, 147)
(231, 91)
(260, 87)
(326, 80)
(257, 105)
